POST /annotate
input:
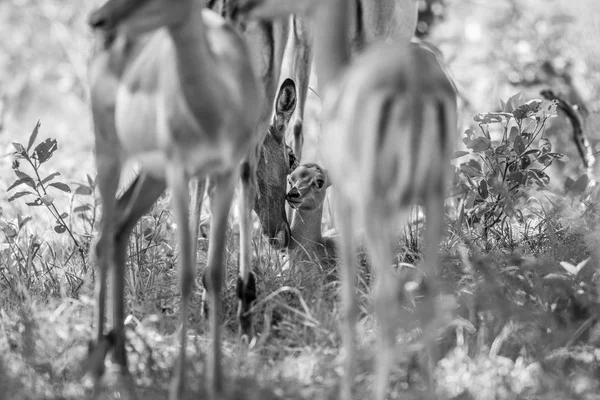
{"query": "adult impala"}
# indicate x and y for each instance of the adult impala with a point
(184, 102)
(389, 121)
(370, 21)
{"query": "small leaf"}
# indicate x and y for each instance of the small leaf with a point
(33, 136)
(529, 109)
(517, 177)
(540, 177)
(83, 190)
(460, 153)
(514, 132)
(479, 144)
(61, 186)
(22, 221)
(9, 231)
(491, 118)
(26, 180)
(515, 101)
(83, 208)
(19, 195)
(60, 228)
(44, 150)
(483, 189)
(519, 145)
(50, 177)
(19, 148)
(91, 182)
(64, 215)
(572, 269)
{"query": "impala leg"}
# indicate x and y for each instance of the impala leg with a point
(109, 169)
(386, 299)
(136, 201)
(198, 189)
(221, 191)
(177, 181)
(348, 306)
(246, 283)
(434, 211)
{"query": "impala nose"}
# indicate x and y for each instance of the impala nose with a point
(292, 194)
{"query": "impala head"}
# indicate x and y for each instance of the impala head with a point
(135, 17)
(307, 187)
(275, 163)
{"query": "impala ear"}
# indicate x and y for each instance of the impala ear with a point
(285, 104)
(286, 99)
(326, 178)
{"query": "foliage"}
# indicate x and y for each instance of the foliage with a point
(37, 188)
(501, 171)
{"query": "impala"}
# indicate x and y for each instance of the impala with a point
(370, 21)
(183, 101)
(389, 123)
(307, 188)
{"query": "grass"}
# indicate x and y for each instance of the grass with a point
(517, 324)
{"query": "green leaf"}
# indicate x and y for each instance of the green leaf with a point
(19, 148)
(22, 221)
(483, 189)
(529, 109)
(33, 136)
(61, 186)
(514, 132)
(50, 177)
(539, 177)
(457, 154)
(491, 118)
(44, 150)
(60, 228)
(519, 145)
(83, 208)
(471, 169)
(9, 231)
(19, 195)
(479, 144)
(517, 177)
(515, 101)
(27, 181)
(83, 190)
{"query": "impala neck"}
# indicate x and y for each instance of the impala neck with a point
(332, 48)
(306, 228)
(196, 65)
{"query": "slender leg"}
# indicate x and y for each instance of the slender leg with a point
(380, 251)
(109, 169)
(246, 283)
(177, 181)
(131, 206)
(198, 189)
(434, 208)
(221, 195)
(348, 307)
